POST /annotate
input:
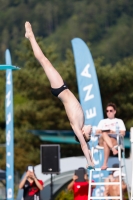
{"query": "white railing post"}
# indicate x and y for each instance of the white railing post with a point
(131, 140)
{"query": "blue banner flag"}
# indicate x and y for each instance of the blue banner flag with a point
(9, 131)
(89, 95)
(88, 86)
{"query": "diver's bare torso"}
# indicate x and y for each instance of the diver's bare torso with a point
(73, 108)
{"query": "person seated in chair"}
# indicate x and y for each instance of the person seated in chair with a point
(107, 127)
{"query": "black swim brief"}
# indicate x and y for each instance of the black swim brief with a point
(57, 91)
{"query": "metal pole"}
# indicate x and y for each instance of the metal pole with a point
(131, 140)
(51, 187)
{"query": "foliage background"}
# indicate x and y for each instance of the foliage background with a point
(106, 26)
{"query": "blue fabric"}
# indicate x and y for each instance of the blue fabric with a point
(90, 100)
(88, 86)
(9, 131)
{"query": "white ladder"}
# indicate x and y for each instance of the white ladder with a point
(120, 148)
(105, 183)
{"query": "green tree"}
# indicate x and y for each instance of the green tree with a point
(65, 195)
(116, 86)
(34, 106)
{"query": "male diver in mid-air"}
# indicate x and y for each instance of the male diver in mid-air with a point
(59, 89)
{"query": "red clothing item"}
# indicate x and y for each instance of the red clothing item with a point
(80, 190)
(33, 188)
(31, 191)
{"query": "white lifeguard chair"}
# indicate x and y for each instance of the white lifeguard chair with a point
(121, 157)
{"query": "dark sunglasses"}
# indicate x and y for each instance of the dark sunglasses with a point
(109, 110)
